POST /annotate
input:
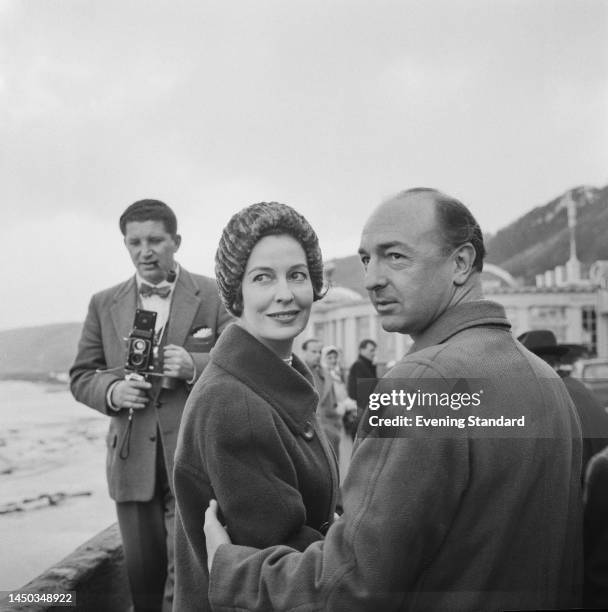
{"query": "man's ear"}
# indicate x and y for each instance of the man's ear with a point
(464, 258)
(178, 240)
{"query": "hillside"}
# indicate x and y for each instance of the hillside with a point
(347, 272)
(33, 352)
(539, 240)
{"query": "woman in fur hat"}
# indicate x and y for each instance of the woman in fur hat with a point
(249, 436)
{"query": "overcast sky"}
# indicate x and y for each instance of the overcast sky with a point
(327, 105)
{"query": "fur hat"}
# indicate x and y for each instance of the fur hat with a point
(244, 230)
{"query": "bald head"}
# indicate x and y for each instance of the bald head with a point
(454, 223)
(412, 212)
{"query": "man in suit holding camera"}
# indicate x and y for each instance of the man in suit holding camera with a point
(145, 414)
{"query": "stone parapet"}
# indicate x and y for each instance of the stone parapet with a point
(94, 571)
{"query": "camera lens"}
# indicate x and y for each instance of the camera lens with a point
(139, 345)
(137, 359)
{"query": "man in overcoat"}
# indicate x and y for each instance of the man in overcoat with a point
(436, 517)
(363, 368)
(145, 415)
(592, 416)
(595, 592)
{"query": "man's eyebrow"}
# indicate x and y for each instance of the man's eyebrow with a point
(383, 246)
(393, 243)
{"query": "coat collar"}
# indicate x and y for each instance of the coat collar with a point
(122, 309)
(289, 389)
(458, 318)
(368, 363)
(185, 303)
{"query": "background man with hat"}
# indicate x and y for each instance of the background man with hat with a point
(593, 418)
(594, 426)
(144, 417)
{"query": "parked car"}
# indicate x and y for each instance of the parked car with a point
(594, 373)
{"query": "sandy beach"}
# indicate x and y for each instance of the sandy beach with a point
(53, 493)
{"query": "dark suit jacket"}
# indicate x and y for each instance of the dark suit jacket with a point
(195, 305)
(594, 420)
(363, 368)
(596, 533)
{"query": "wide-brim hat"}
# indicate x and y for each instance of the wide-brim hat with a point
(543, 342)
(574, 352)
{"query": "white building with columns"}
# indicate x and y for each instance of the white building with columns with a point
(576, 312)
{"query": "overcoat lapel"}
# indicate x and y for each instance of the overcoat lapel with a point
(122, 310)
(184, 306)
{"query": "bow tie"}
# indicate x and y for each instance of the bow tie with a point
(146, 290)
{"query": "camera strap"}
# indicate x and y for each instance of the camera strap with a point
(125, 445)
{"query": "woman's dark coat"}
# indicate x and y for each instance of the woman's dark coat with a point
(250, 439)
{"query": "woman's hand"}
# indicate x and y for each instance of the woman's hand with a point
(215, 534)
